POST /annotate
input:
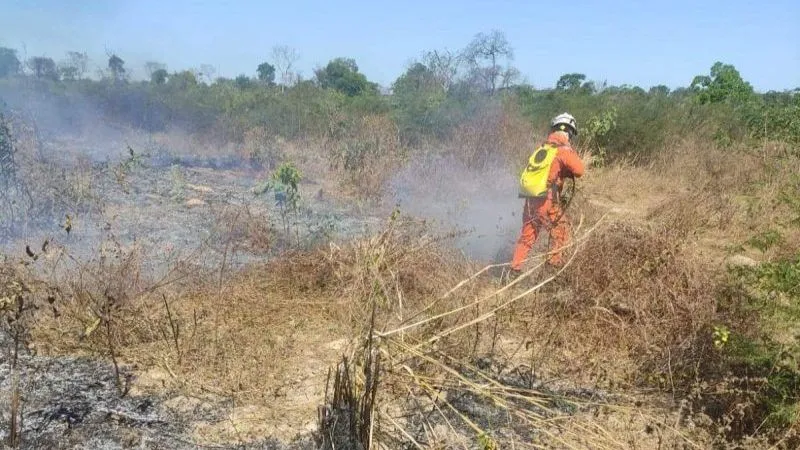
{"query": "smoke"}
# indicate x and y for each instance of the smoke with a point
(55, 114)
(481, 202)
(95, 120)
(437, 185)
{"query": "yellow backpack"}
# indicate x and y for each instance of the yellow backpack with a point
(533, 181)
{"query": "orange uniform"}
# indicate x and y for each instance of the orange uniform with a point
(547, 212)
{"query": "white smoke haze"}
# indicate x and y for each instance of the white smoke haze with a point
(482, 202)
(435, 185)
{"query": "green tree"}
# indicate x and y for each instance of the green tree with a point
(342, 75)
(73, 67)
(43, 67)
(659, 90)
(589, 87)
(417, 96)
(78, 63)
(243, 81)
(159, 76)
(9, 63)
(183, 80)
(723, 84)
(67, 72)
(152, 67)
(116, 66)
(266, 73)
(570, 81)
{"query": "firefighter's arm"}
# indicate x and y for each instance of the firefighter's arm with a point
(571, 162)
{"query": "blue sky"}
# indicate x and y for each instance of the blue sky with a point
(641, 43)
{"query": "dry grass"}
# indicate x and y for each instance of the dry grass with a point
(366, 156)
(640, 291)
(633, 303)
(646, 285)
(245, 228)
(432, 369)
(260, 147)
(398, 269)
(264, 336)
(706, 196)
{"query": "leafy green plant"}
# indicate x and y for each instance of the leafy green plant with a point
(597, 130)
(766, 240)
(122, 170)
(284, 183)
(771, 294)
(721, 335)
(485, 442)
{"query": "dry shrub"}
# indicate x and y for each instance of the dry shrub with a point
(701, 192)
(698, 210)
(497, 133)
(311, 158)
(517, 137)
(372, 156)
(398, 269)
(175, 142)
(53, 190)
(476, 142)
(25, 133)
(24, 299)
(271, 324)
(368, 155)
(99, 296)
(260, 334)
(243, 336)
(702, 183)
(262, 148)
(637, 289)
(37, 189)
(245, 229)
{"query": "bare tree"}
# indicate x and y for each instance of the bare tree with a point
(444, 65)
(509, 77)
(207, 71)
(78, 62)
(484, 56)
(284, 58)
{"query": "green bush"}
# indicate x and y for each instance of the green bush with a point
(620, 121)
(760, 359)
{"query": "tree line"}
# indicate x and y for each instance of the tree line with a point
(439, 91)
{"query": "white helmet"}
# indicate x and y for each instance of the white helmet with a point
(564, 120)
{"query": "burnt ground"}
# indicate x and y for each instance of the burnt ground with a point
(168, 207)
(74, 402)
(164, 205)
